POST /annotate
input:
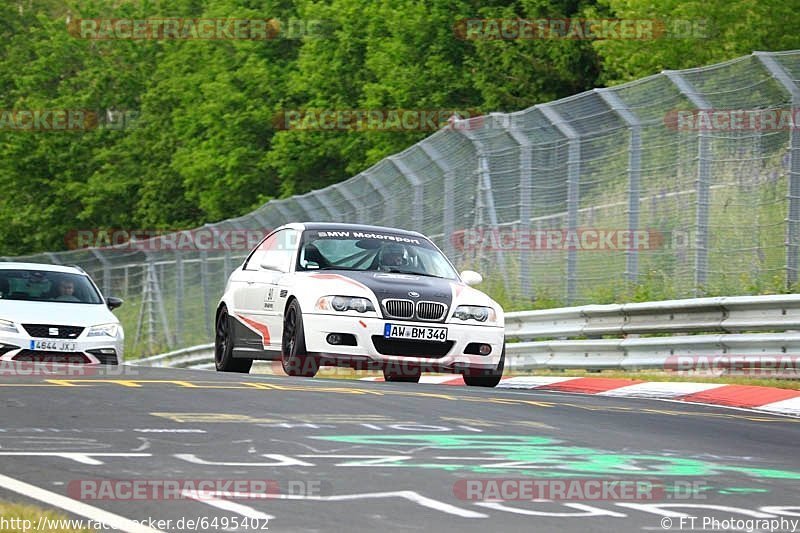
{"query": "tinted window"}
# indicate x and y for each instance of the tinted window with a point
(46, 286)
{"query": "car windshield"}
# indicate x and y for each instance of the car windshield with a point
(369, 250)
(47, 286)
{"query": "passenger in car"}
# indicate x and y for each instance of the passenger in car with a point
(66, 288)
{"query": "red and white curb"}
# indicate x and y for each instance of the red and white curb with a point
(769, 399)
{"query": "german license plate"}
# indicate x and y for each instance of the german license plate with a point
(420, 333)
(53, 346)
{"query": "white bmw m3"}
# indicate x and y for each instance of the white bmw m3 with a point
(366, 297)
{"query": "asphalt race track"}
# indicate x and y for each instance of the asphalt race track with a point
(364, 456)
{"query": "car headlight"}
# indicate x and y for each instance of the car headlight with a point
(8, 326)
(107, 330)
(475, 312)
(344, 303)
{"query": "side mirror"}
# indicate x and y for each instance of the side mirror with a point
(113, 302)
(470, 277)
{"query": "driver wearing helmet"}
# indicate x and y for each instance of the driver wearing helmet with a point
(392, 256)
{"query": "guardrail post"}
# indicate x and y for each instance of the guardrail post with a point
(634, 174)
(793, 220)
(573, 191)
(703, 182)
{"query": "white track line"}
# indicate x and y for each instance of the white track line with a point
(661, 389)
(68, 504)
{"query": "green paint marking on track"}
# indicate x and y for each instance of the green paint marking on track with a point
(544, 457)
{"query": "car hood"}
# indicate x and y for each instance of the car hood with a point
(67, 314)
(390, 285)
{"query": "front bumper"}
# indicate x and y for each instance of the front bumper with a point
(87, 350)
(317, 327)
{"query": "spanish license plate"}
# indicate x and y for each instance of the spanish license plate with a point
(421, 333)
(53, 346)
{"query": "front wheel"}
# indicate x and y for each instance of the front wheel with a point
(294, 358)
(486, 378)
(224, 344)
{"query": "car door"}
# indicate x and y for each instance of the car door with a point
(266, 277)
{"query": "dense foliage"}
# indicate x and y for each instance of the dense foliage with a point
(197, 141)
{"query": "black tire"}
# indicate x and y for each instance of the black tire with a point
(294, 358)
(406, 376)
(223, 346)
(486, 378)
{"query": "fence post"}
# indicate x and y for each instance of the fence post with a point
(525, 200)
(208, 313)
(327, 205)
(417, 187)
(448, 202)
(573, 191)
(793, 221)
(179, 292)
(285, 213)
(703, 182)
(634, 174)
(485, 189)
(352, 200)
(309, 210)
(388, 211)
(106, 271)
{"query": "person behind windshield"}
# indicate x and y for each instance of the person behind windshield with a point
(392, 257)
(66, 289)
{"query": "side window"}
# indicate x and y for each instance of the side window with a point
(276, 252)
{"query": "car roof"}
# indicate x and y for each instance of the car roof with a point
(352, 227)
(41, 266)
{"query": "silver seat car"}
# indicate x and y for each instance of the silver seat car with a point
(53, 313)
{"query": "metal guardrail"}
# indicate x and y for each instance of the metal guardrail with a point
(191, 357)
(695, 328)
